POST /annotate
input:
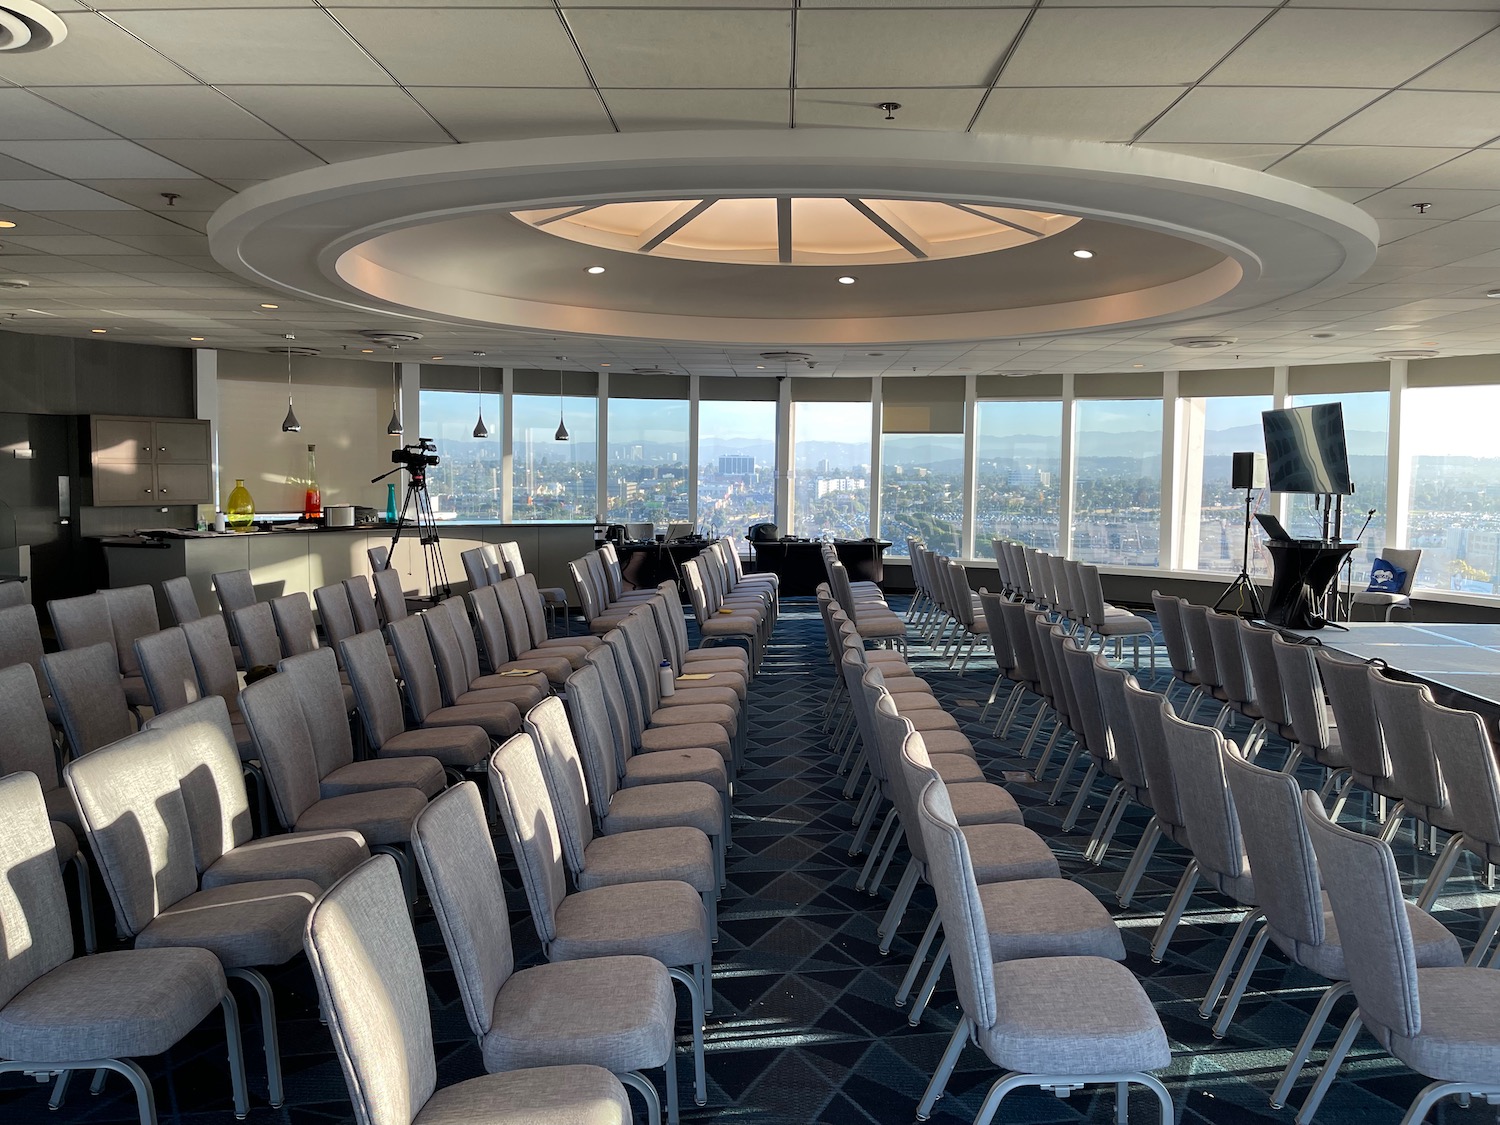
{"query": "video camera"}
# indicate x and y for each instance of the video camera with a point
(416, 458)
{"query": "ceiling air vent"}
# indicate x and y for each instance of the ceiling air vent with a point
(27, 26)
(14, 283)
(1201, 343)
(786, 357)
(649, 371)
(294, 350)
(1408, 353)
(381, 335)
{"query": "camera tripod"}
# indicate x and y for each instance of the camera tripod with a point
(1242, 582)
(420, 502)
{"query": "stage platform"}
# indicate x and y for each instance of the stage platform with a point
(1463, 659)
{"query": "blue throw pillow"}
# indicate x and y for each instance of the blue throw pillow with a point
(1386, 577)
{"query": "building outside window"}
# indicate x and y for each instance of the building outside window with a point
(831, 467)
(736, 466)
(648, 461)
(921, 490)
(551, 479)
(1117, 486)
(465, 484)
(1019, 474)
(1449, 435)
(1218, 428)
(1367, 424)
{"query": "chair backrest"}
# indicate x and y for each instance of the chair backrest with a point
(362, 603)
(255, 628)
(1212, 822)
(283, 744)
(208, 641)
(1109, 686)
(891, 731)
(13, 593)
(951, 873)
(235, 589)
(211, 776)
(447, 655)
(1173, 634)
(1359, 874)
(588, 598)
(1205, 660)
(486, 603)
(1229, 657)
(90, 696)
(132, 614)
(390, 595)
(1022, 640)
(1348, 686)
(21, 640)
(1287, 886)
(1078, 606)
(459, 869)
(137, 824)
(181, 600)
(376, 694)
(167, 667)
(81, 622)
(315, 677)
(510, 559)
(630, 684)
(1407, 559)
(626, 721)
(294, 623)
(520, 789)
(513, 613)
(1466, 757)
(380, 557)
(1092, 591)
(418, 667)
(475, 567)
(27, 745)
(33, 904)
(569, 779)
(1079, 665)
(1414, 766)
(994, 619)
(463, 634)
(588, 712)
(1259, 646)
(1147, 709)
(1302, 687)
(363, 954)
(531, 604)
(338, 619)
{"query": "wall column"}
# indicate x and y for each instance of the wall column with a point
(601, 451)
(785, 516)
(206, 402)
(877, 418)
(692, 461)
(1170, 553)
(507, 445)
(1281, 391)
(1068, 465)
(1397, 464)
(971, 468)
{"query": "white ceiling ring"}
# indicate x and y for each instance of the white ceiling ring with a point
(27, 26)
(396, 235)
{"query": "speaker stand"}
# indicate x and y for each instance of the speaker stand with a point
(1242, 582)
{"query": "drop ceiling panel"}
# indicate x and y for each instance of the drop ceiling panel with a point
(948, 110)
(490, 114)
(1374, 48)
(1423, 117)
(238, 159)
(178, 112)
(334, 151)
(1124, 48)
(96, 52)
(643, 110)
(684, 47)
(1476, 67)
(250, 45)
(1255, 115)
(1349, 166)
(928, 47)
(116, 222)
(467, 47)
(69, 244)
(84, 159)
(1091, 113)
(197, 194)
(24, 116)
(354, 113)
(1258, 157)
(55, 195)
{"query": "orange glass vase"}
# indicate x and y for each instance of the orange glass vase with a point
(312, 501)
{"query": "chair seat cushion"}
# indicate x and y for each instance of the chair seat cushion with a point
(727, 625)
(459, 747)
(928, 720)
(873, 624)
(676, 804)
(556, 668)
(320, 857)
(1048, 918)
(242, 924)
(136, 692)
(1073, 1015)
(693, 693)
(736, 656)
(719, 714)
(905, 683)
(511, 689)
(956, 769)
(983, 803)
(383, 817)
(691, 763)
(684, 854)
(1001, 852)
(1123, 625)
(131, 1003)
(1380, 597)
(1433, 944)
(678, 736)
(721, 677)
(615, 1012)
(413, 772)
(552, 1095)
(948, 742)
(1459, 1040)
(665, 920)
(499, 720)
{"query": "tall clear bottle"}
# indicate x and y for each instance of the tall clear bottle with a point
(312, 503)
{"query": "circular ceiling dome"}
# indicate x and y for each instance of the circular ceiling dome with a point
(898, 237)
(797, 230)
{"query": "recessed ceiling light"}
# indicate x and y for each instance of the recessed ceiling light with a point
(1395, 328)
(6, 224)
(437, 357)
(264, 305)
(1083, 253)
(196, 339)
(99, 331)
(847, 280)
(1330, 335)
(1137, 365)
(594, 269)
(604, 365)
(760, 367)
(1492, 292)
(366, 351)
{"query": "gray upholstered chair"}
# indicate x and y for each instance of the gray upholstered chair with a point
(664, 919)
(234, 589)
(675, 620)
(136, 819)
(526, 620)
(1109, 622)
(88, 620)
(90, 696)
(1258, 643)
(1005, 660)
(554, 598)
(458, 682)
(1097, 736)
(362, 603)
(182, 602)
(475, 567)
(1179, 649)
(1119, 730)
(424, 694)
(718, 715)
(614, 1012)
(705, 670)
(294, 623)
(630, 723)
(21, 643)
(1297, 916)
(338, 619)
(595, 615)
(1313, 732)
(1387, 602)
(364, 957)
(1146, 710)
(1234, 675)
(714, 627)
(497, 653)
(59, 1013)
(390, 595)
(1205, 662)
(1347, 684)
(1057, 1023)
(1415, 773)
(643, 645)
(13, 593)
(315, 675)
(1438, 1021)
(255, 626)
(1023, 668)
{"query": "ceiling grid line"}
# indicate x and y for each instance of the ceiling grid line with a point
(1005, 57)
(562, 18)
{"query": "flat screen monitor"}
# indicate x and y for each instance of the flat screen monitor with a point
(1305, 450)
(676, 531)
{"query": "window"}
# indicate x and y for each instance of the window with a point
(736, 466)
(1214, 532)
(831, 469)
(1367, 424)
(648, 461)
(465, 484)
(1449, 435)
(922, 490)
(551, 479)
(1117, 490)
(1019, 474)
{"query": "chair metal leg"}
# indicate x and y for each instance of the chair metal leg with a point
(1084, 788)
(642, 1085)
(1226, 963)
(690, 982)
(918, 958)
(1241, 981)
(877, 848)
(1440, 871)
(944, 1071)
(890, 853)
(1105, 833)
(1487, 935)
(929, 986)
(897, 909)
(269, 1036)
(1138, 861)
(1036, 726)
(1175, 911)
(85, 903)
(1046, 755)
(1012, 709)
(1330, 1068)
(1331, 996)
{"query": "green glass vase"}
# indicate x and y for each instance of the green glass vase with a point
(239, 509)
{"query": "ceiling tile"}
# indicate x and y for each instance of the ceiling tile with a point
(1443, 203)
(347, 113)
(1476, 67)
(1090, 113)
(948, 110)
(1348, 48)
(930, 47)
(176, 112)
(1349, 166)
(651, 110)
(55, 195)
(192, 194)
(121, 160)
(334, 151)
(1123, 48)
(70, 244)
(11, 169)
(117, 222)
(1256, 156)
(468, 47)
(1255, 115)
(491, 114)
(645, 48)
(271, 46)
(1422, 117)
(24, 116)
(238, 159)
(1474, 170)
(96, 52)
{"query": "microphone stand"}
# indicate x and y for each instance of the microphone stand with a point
(1349, 568)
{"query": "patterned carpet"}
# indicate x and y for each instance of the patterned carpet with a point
(805, 1030)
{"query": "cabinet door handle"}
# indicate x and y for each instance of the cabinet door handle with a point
(161, 448)
(163, 491)
(145, 449)
(147, 491)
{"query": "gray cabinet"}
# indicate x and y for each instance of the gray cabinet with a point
(147, 461)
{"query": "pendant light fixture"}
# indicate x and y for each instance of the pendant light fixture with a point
(394, 428)
(562, 429)
(480, 429)
(289, 424)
